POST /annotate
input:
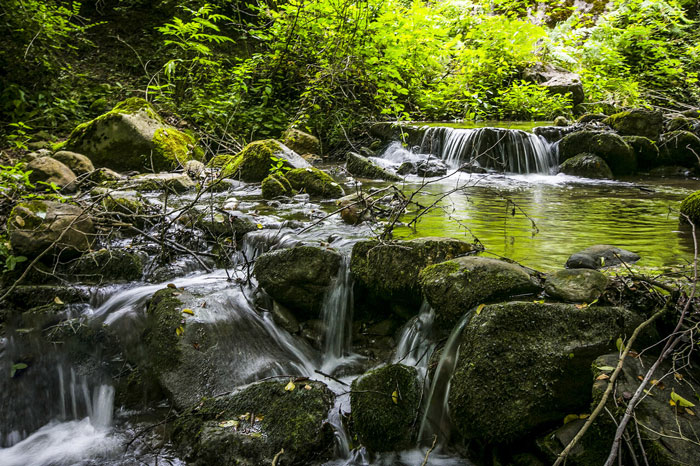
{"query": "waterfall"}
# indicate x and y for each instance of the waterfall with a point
(337, 317)
(415, 345)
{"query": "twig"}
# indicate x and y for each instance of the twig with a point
(277, 457)
(427, 454)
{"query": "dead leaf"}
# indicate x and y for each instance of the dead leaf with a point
(290, 386)
(57, 300)
(307, 387)
(480, 308)
(690, 411)
(395, 397)
(603, 377)
(179, 331)
(19, 221)
(678, 376)
(188, 311)
(172, 285)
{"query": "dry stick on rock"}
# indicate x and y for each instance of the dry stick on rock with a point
(425, 460)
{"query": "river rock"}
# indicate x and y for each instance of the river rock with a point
(298, 277)
(51, 171)
(646, 151)
(609, 146)
(681, 123)
(173, 182)
(78, 163)
(556, 80)
(680, 148)
(529, 364)
(587, 166)
(362, 167)
(216, 432)
(301, 142)
(455, 286)
(427, 168)
(254, 163)
(576, 285)
(690, 209)
(108, 266)
(314, 182)
(34, 226)
(384, 404)
(637, 122)
(387, 273)
(600, 255)
(275, 186)
(132, 136)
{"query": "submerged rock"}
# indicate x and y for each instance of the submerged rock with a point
(600, 255)
(362, 167)
(78, 163)
(576, 285)
(587, 166)
(455, 286)
(298, 277)
(301, 142)
(51, 171)
(529, 364)
(690, 207)
(608, 146)
(254, 163)
(637, 122)
(680, 148)
(384, 404)
(314, 182)
(275, 186)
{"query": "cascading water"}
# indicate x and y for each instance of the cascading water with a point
(337, 319)
(415, 344)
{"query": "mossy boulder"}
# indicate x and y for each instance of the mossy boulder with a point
(601, 255)
(108, 265)
(301, 142)
(576, 285)
(380, 421)
(529, 364)
(680, 148)
(78, 163)
(35, 226)
(587, 166)
(591, 117)
(252, 426)
(690, 207)
(386, 274)
(645, 150)
(637, 122)
(132, 136)
(51, 171)
(254, 162)
(173, 182)
(314, 182)
(681, 123)
(455, 286)
(298, 277)
(275, 186)
(362, 167)
(221, 225)
(609, 146)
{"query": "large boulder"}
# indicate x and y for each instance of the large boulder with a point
(301, 142)
(107, 265)
(600, 255)
(37, 225)
(455, 286)
(254, 425)
(254, 163)
(362, 167)
(645, 150)
(51, 171)
(587, 166)
(576, 285)
(275, 186)
(608, 146)
(680, 148)
(637, 122)
(78, 163)
(132, 136)
(556, 80)
(314, 182)
(384, 403)
(298, 277)
(690, 209)
(387, 273)
(529, 364)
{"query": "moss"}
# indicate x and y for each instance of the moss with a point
(380, 423)
(586, 165)
(164, 317)
(314, 182)
(108, 265)
(362, 167)
(219, 161)
(690, 206)
(646, 151)
(609, 146)
(275, 186)
(637, 122)
(173, 148)
(680, 148)
(254, 162)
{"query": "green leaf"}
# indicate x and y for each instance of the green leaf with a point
(680, 401)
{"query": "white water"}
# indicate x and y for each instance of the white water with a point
(415, 345)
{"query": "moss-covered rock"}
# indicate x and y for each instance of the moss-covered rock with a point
(51, 171)
(381, 422)
(314, 182)
(78, 163)
(529, 364)
(221, 225)
(250, 427)
(174, 182)
(609, 146)
(587, 166)
(301, 142)
(132, 137)
(690, 207)
(386, 274)
(601, 255)
(576, 285)
(637, 122)
(361, 167)
(681, 123)
(680, 148)
(455, 286)
(591, 117)
(37, 225)
(275, 186)
(254, 162)
(646, 151)
(298, 277)
(108, 266)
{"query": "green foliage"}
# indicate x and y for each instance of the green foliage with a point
(10, 260)
(527, 101)
(278, 166)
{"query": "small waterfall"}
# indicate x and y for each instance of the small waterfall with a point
(337, 318)
(415, 344)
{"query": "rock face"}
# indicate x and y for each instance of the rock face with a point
(132, 137)
(645, 150)
(50, 170)
(600, 255)
(677, 147)
(382, 424)
(637, 122)
(529, 363)
(454, 287)
(275, 186)
(314, 182)
(576, 285)
(36, 225)
(608, 146)
(298, 277)
(78, 163)
(557, 81)
(254, 162)
(362, 167)
(587, 166)
(301, 142)
(388, 273)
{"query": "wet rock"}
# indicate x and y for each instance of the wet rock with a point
(104, 175)
(556, 80)
(587, 166)
(221, 224)
(355, 211)
(362, 167)
(275, 186)
(561, 121)
(680, 148)
(301, 142)
(284, 318)
(28, 296)
(670, 171)
(250, 427)
(455, 286)
(387, 273)
(608, 146)
(254, 162)
(78, 163)
(576, 285)
(174, 182)
(427, 168)
(591, 117)
(37, 225)
(298, 277)
(553, 134)
(646, 151)
(380, 421)
(529, 363)
(314, 182)
(637, 122)
(51, 171)
(41, 317)
(600, 255)
(108, 266)
(132, 136)
(690, 208)
(194, 169)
